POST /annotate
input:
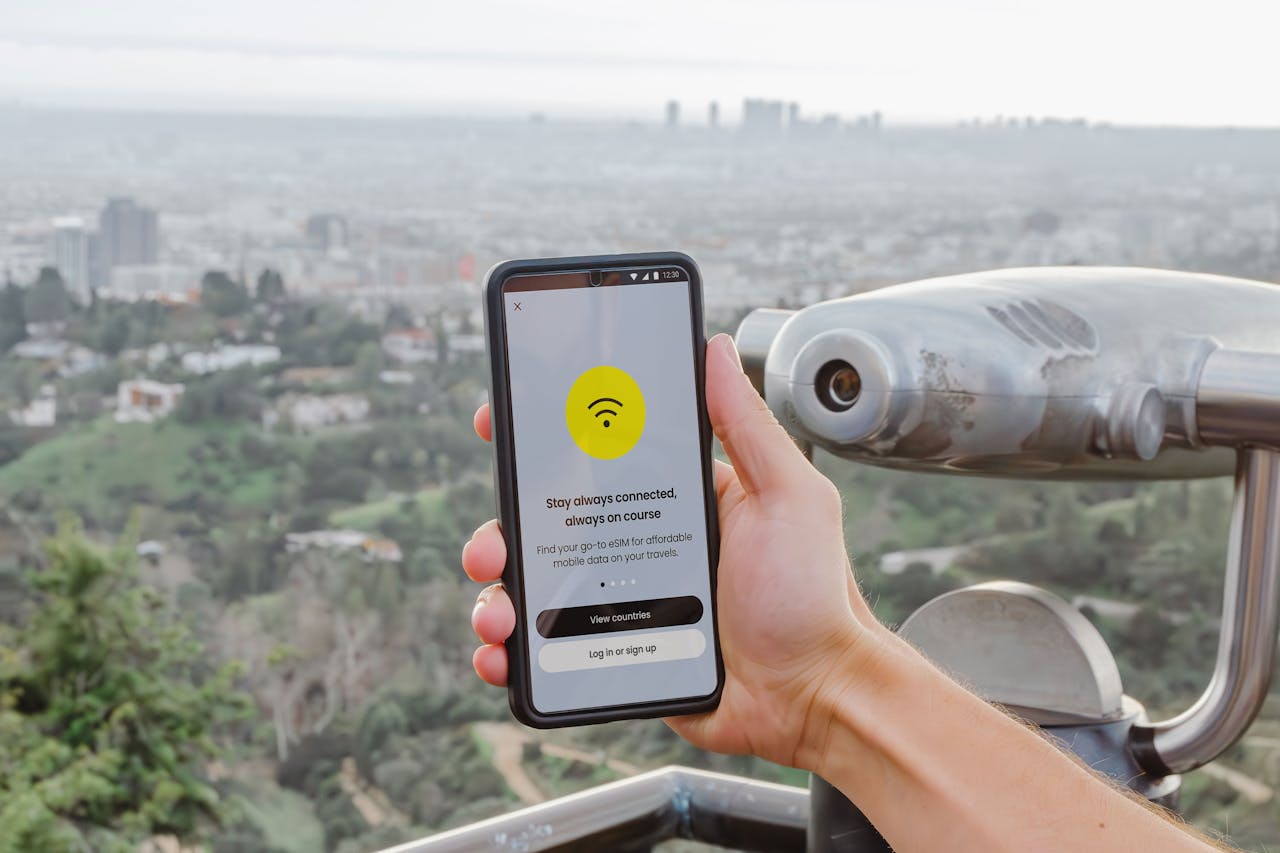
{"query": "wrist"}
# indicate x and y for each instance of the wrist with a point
(863, 658)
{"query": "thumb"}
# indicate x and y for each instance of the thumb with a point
(763, 455)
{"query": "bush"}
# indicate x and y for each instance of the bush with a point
(327, 748)
(107, 709)
(383, 718)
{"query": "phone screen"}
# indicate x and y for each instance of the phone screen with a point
(609, 484)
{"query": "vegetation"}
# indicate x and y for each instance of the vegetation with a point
(13, 316)
(270, 286)
(212, 468)
(47, 299)
(108, 710)
(221, 296)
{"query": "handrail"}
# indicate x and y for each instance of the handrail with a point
(637, 813)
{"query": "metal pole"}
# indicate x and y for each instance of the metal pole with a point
(754, 338)
(1247, 642)
(836, 825)
(1238, 399)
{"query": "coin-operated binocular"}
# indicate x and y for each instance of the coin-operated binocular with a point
(1055, 373)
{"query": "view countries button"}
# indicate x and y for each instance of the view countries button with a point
(600, 652)
(619, 616)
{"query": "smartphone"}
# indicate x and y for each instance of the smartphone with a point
(605, 490)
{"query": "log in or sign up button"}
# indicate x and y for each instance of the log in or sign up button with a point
(600, 652)
(619, 616)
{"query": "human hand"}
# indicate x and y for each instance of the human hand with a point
(788, 606)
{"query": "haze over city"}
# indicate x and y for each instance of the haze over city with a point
(1143, 62)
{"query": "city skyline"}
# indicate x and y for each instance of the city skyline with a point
(919, 61)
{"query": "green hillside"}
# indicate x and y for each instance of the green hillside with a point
(99, 469)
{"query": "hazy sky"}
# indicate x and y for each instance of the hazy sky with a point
(1145, 61)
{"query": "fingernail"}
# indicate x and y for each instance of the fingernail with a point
(726, 344)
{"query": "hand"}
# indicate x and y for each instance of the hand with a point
(788, 604)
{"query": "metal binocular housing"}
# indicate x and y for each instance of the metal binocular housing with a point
(1079, 373)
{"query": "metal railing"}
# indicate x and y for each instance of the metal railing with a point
(637, 813)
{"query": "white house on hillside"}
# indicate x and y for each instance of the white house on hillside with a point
(40, 412)
(410, 346)
(370, 548)
(145, 401)
(230, 357)
(308, 412)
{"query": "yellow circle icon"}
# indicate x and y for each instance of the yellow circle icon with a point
(605, 412)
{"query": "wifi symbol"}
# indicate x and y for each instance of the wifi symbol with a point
(604, 413)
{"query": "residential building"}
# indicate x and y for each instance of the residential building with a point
(368, 546)
(145, 400)
(396, 377)
(466, 344)
(41, 349)
(308, 412)
(313, 376)
(80, 360)
(64, 357)
(230, 357)
(42, 412)
(411, 346)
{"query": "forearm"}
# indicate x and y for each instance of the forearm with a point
(936, 768)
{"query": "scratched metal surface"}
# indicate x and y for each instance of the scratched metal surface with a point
(1019, 373)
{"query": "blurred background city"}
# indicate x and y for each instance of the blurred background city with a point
(240, 348)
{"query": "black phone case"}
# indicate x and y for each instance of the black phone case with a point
(519, 693)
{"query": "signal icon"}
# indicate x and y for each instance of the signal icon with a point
(633, 275)
(604, 413)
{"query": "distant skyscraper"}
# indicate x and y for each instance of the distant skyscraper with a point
(713, 115)
(793, 114)
(70, 250)
(673, 114)
(327, 231)
(127, 234)
(761, 117)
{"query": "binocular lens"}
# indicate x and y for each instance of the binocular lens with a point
(838, 385)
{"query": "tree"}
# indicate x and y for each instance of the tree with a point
(47, 299)
(369, 364)
(226, 395)
(1147, 636)
(397, 317)
(13, 317)
(221, 296)
(113, 335)
(270, 286)
(108, 709)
